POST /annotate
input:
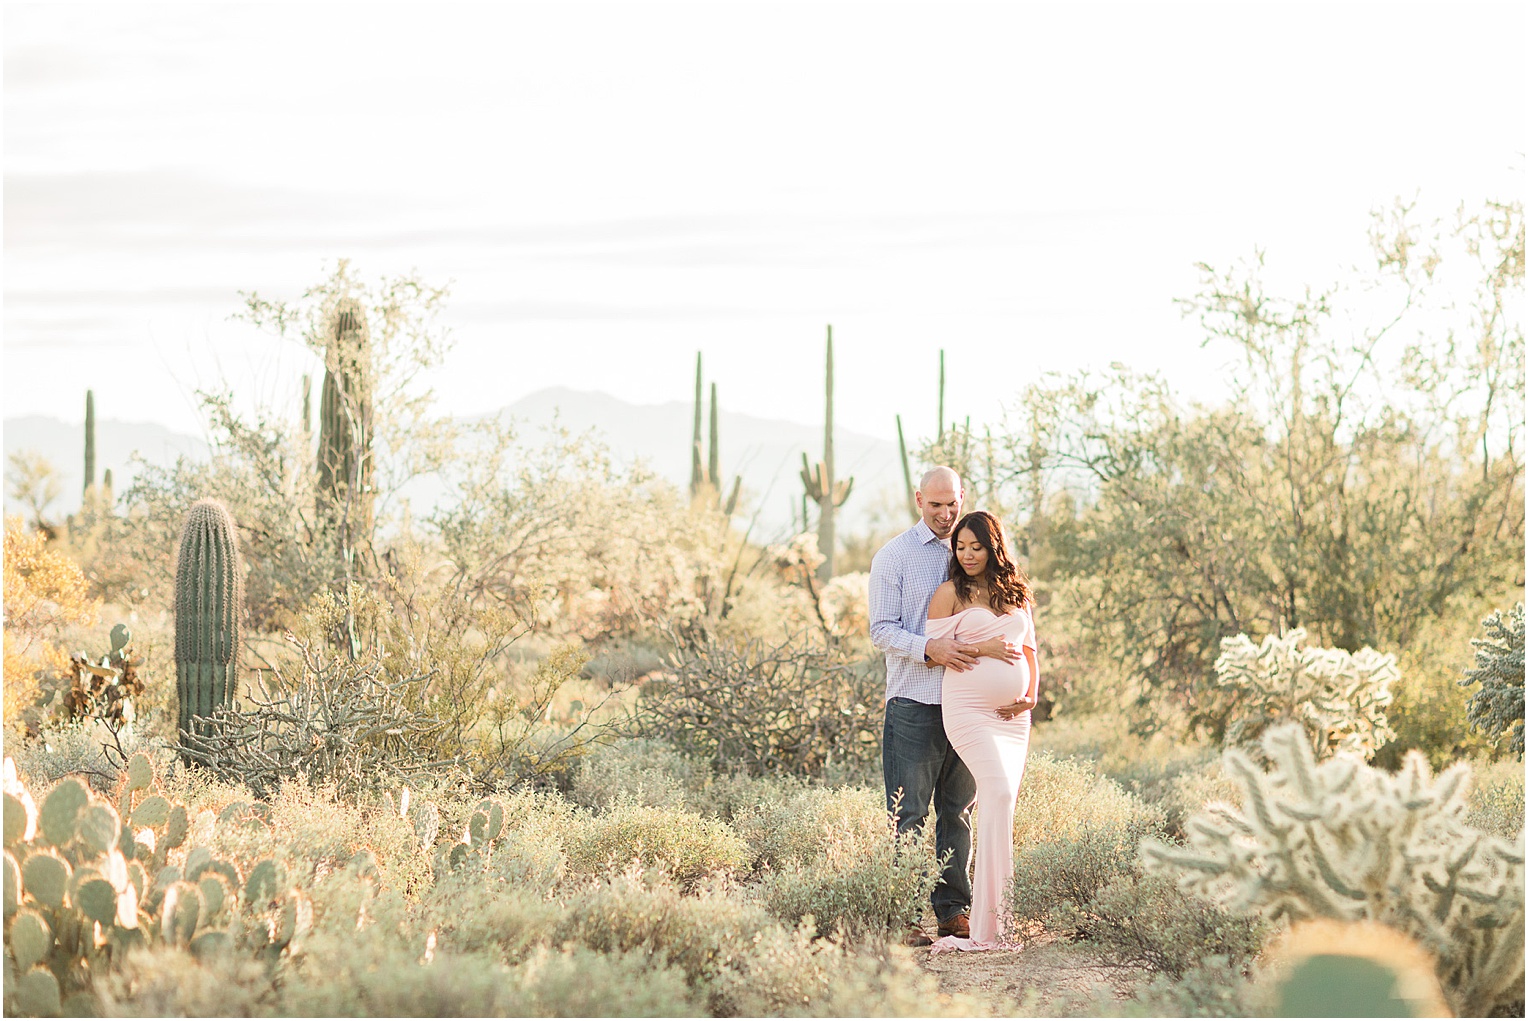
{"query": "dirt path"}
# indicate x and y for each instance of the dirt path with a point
(1035, 981)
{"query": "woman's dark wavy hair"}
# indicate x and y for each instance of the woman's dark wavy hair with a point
(1006, 582)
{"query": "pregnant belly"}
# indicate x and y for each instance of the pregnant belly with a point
(990, 684)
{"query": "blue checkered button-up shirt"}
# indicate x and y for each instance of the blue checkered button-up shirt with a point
(903, 577)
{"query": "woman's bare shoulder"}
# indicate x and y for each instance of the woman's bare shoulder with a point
(943, 603)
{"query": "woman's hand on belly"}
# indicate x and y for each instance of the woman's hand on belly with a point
(1023, 705)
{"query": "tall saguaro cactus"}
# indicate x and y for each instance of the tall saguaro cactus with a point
(828, 494)
(346, 488)
(209, 607)
(706, 475)
(90, 446)
(697, 470)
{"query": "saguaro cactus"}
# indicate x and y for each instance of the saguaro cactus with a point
(707, 476)
(209, 606)
(697, 470)
(90, 448)
(828, 494)
(345, 464)
(907, 472)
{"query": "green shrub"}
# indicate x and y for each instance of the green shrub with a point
(166, 981)
(1148, 922)
(790, 974)
(688, 846)
(1496, 802)
(1061, 796)
(861, 891)
(1069, 871)
(1212, 988)
(646, 912)
(793, 826)
(572, 982)
(469, 912)
(833, 853)
(639, 770)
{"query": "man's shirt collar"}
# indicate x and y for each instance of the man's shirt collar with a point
(925, 533)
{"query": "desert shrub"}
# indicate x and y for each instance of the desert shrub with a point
(792, 826)
(77, 748)
(688, 846)
(44, 592)
(1496, 801)
(797, 705)
(166, 981)
(529, 859)
(471, 912)
(1213, 988)
(1428, 713)
(1338, 697)
(1145, 920)
(1061, 795)
(702, 935)
(1189, 791)
(1057, 877)
(1497, 708)
(335, 717)
(640, 770)
(790, 974)
(863, 892)
(572, 982)
(833, 853)
(1346, 841)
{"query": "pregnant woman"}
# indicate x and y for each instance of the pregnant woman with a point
(986, 603)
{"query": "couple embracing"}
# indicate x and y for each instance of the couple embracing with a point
(953, 614)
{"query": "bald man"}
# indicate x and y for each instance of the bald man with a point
(916, 757)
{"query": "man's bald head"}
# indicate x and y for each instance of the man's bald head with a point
(939, 497)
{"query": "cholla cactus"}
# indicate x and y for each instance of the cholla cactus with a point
(1345, 841)
(1338, 697)
(1497, 708)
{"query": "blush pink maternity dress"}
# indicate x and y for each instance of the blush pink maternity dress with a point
(994, 749)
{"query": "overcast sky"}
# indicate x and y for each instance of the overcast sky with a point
(611, 188)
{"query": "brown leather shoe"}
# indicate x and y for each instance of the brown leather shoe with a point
(916, 937)
(957, 925)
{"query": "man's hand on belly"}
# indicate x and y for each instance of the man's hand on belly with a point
(950, 654)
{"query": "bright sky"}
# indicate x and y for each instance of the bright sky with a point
(611, 188)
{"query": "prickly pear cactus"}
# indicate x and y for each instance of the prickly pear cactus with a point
(1352, 969)
(1342, 840)
(484, 827)
(1339, 698)
(209, 610)
(87, 881)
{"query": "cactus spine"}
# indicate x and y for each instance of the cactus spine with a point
(90, 446)
(209, 603)
(828, 494)
(346, 490)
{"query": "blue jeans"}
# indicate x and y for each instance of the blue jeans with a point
(917, 760)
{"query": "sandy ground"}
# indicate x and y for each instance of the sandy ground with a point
(1035, 981)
